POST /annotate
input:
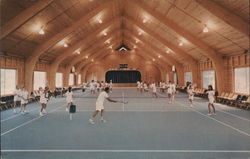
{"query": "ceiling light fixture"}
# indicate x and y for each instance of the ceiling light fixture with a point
(159, 56)
(153, 59)
(144, 20)
(78, 52)
(180, 44)
(92, 60)
(205, 29)
(86, 57)
(65, 45)
(41, 32)
(139, 33)
(100, 21)
(105, 34)
(168, 51)
(136, 41)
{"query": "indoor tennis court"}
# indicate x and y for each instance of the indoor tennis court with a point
(144, 128)
(125, 79)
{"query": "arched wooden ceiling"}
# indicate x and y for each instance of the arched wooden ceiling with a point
(156, 27)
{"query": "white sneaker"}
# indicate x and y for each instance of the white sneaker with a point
(209, 114)
(91, 121)
(14, 111)
(67, 109)
(103, 120)
(44, 111)
(41, 114)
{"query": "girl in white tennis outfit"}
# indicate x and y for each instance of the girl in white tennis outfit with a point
(111, 85)
(138, 85)
(211, 100)
(145, 86)
(99, 105)
(24, 94)
(164, 86)
(17, 98)
(44, 97)
(92, 87)
(190, 91)
(154, 89)
(171, 91)
(69, 98)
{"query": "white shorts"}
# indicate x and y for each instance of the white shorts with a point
(43, 101)
(69, 101)
(211, 100)
(24, 101)
(99, 106)
(92, 88)
(17, 99)
(191, 97)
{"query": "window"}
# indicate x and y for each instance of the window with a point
(79, 79)
(167, 77)
(188, 77)
(241, 80)
(39, 79)
(8, 81)
(175, 78)
(59, 80)
(208, 78)
(71, 79)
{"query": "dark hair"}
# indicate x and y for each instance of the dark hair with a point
(70, 88)
(210, 87)
(106, 89)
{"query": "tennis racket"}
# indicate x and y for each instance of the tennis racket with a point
(124, 102)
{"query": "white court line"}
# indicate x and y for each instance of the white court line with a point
(23, 124)
(137, 110)
(220, 110)
(237, 116)
(227, 125)
(136, 151)
(16, 115)
(123, 105)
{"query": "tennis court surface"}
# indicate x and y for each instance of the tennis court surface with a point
(145, 128)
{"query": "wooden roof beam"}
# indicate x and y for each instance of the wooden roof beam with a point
(23, 17)
(225, 15)
(33, 58)
(170, 59)
(207, 50)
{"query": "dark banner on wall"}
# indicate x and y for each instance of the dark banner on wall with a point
(123, 76)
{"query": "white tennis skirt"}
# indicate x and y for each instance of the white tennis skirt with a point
(99, 106)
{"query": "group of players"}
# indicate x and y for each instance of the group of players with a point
(96, 86)
(169, 87)
(22, 96)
